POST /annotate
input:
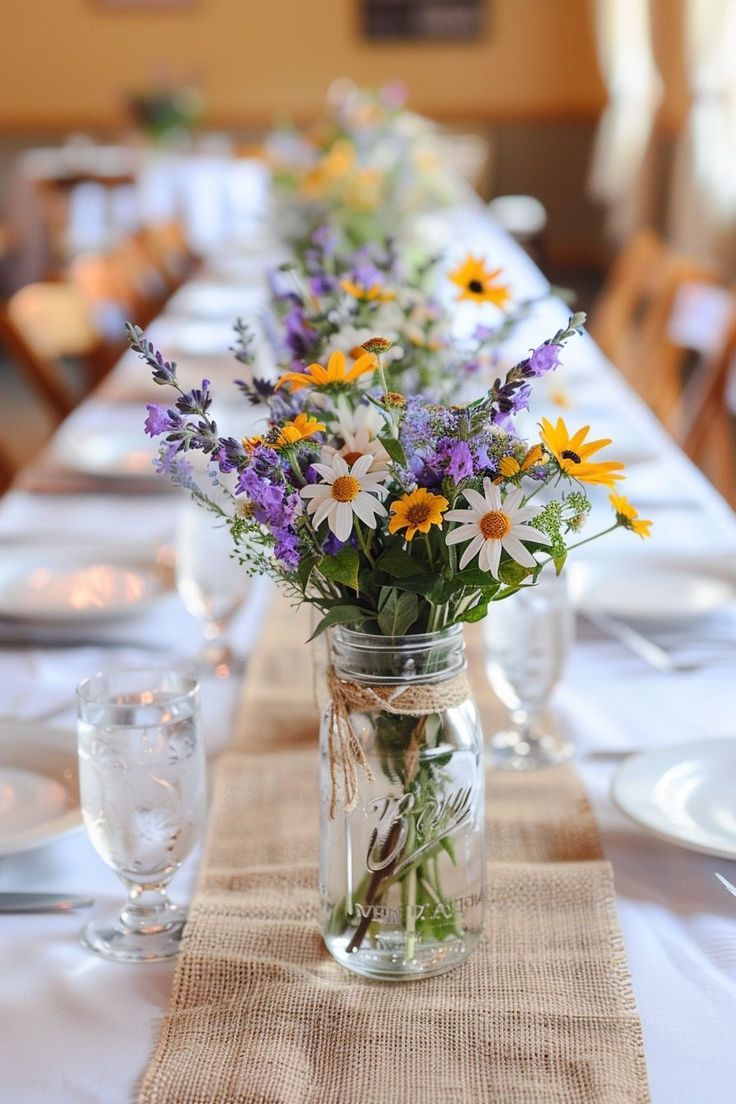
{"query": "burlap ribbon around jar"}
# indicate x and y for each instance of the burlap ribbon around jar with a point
(344, 749)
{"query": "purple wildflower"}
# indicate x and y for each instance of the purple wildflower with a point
(298, 333)
(545, 358)
(325, 237)
(456, 459)
(158, 420)
(286, 549)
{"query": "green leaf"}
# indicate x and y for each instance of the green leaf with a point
(429, 585)
(474, 577)
(559, 562)
(342, 567)
(477, 613)
(341, 615)
(305, 569)
(397, 611)
(397, 562)
(449, 848)
(394, 449)
(512, 573)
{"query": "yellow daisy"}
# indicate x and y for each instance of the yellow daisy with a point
(476, 282)
(373, 294)
(510, 466)
(417, 512)
(335, 374)
(299, 429)
(628, 516)
(572, 454)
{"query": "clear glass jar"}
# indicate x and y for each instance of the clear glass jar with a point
(402, 873)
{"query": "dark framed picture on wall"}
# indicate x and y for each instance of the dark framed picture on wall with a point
(423, 19)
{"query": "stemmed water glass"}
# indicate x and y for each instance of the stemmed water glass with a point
(528, 637)
(213, 585)
(143, 795)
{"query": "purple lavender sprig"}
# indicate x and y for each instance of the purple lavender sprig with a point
(189, 425)
(164, 371)
(512, 395)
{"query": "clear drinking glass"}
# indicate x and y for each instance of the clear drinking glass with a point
(528, 637)
(402, 874)
(143, 794)
(211, 582)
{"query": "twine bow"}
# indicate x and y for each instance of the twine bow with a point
(344, 749)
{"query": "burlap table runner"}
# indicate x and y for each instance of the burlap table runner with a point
(543, 1011)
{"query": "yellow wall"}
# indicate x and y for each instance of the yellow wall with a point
(68, 62)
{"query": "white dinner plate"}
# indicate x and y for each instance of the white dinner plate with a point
(64, 584)
(684, 794)
(39, 786)
(117, 452)
(653, 587)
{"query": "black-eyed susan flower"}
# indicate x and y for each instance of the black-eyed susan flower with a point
(335, 374)
(494, 524)
(417, 512)
(628, 516)
(572, 454)
(478, 283)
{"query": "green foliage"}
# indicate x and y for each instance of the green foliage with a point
(341, 615)
(397, 611)
(342, 568)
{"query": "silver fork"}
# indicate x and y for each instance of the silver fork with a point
(725, 882)
(643, 646)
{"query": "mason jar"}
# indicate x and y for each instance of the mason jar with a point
(402, 866)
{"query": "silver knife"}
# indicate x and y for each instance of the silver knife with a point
(42, 902)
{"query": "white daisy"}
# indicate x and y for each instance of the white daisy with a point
(346, 491)
(492, 524)
(364, 416)
(356, 445)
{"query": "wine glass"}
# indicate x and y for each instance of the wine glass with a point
(142, 786)
(528, 637)
(211, 583)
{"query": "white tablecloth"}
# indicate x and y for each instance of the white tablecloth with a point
(77, 1029)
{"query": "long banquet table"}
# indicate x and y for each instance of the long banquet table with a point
(77, 1029)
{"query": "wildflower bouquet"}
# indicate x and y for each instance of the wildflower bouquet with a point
(364, 167)
(334, 299)
(391, 513)
(395, 517)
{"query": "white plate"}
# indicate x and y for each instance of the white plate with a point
(119, 452)
(39, 786)
(653, 587)
(684, 794)
(56, 584)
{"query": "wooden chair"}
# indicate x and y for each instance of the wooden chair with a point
(633, 318)
(706, 422)
(40, 325)
(8, 469)
(169, 251)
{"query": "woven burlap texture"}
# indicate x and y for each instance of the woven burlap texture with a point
(260, 1014)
